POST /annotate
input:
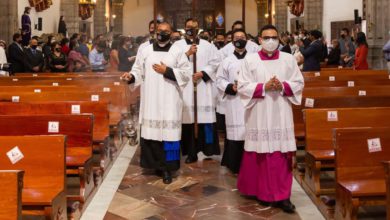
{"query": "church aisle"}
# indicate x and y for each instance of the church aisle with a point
(204, 190)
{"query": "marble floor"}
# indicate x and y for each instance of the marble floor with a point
(202, 190)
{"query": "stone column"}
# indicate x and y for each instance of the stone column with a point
(8, 19)
(378, 27)
(117, 9)
(313, 14)
(281, 15)
(70, 9)
(99, 17)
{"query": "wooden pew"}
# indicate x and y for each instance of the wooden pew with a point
(44, 179)
(371, 90)
(78, 130)
(11, 194)
(386, 165)
(319, 149)
(344, 72)
(359, 172)
(98, 109)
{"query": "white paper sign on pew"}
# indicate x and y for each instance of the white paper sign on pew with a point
(55, 84)
(362, 93)
(69, 79)
(54, 127)
(117, 83)
(106, 89)
(37, 90)
(15, 98)
(15, 80)
(351, 83)
(316, 74)
(332, 78)
(374, 145)
(34, 75)
(94, 98)
(309, 103)
(332, 116)
(76, 109)
(15, 155)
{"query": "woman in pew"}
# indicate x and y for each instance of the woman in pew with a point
(126, 55)
(76, 61)
(334, 55)
(57, 60)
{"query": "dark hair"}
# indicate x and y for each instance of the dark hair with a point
(238, 22)
(64, 41)
(16, 36)
(74, 36)
(239, 30)
(26, 9)
(228, 33)
(72, 44)
(165, 23)
(152, 22)
(316, 34)
(49, 38)
(61, 18)
(101, 44)
(53, 45)
(361, 39)
(190, 19)
(83, 38)
(122, 41)
(219, 33)
(115, 44)
(346, 30)
(268, 27)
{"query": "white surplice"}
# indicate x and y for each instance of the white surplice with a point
(207, 60)
(234, 111)
(269, 120)
(161, 97)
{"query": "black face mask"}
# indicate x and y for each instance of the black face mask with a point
(220, 44)
(58, 49)
(240, 44)
(191, 32)
(204, 38)
(34, 47)
(343, 36)
(163, 37)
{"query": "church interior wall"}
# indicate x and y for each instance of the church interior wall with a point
(50, 17)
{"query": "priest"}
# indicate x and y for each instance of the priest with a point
(207, 61)
(234, 110)
(164, 71)
(268, 84)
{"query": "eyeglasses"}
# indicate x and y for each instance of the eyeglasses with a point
(268, 37)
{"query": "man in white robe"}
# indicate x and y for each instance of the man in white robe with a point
(227, 85)
(229, 48)
(268, 84)
(164, 71)
(207, 61)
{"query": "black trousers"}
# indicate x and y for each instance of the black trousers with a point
(153, 156)
(191, 147)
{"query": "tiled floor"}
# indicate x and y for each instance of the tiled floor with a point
(203, 190)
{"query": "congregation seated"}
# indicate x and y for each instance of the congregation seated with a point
(76, 61)
(16, 54)
(96, 57)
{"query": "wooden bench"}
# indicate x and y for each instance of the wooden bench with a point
(11, 194)
(44, 179)
(344, 72)
(319, 148)
(359, 171)
(78, 131)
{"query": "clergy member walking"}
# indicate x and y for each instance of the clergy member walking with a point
(206, 66)
(164, 71)
(227, 84)
(268, 84)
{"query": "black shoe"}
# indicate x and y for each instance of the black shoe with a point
(263, 203)
(191, 159)
(159, 173)
(285, 205)
(166, 177)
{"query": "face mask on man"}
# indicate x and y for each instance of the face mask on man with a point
(270, 45)
(163, 37)
(240, 44)
(34, 47)
(58, 49)
(220, 44)
(191, 32)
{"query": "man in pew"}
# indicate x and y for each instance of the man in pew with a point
(33, 58)
(164, 71)
(269, 82)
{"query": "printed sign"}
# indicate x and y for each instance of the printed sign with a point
(69, 79)
(15, 98)
(332, 78)
(15, 155)
(54, 127)
(332, 116)
(94, 98)
(309, 103)
(117, 83)
(15, 80)
(351, 84)
(362, 93)
(106, 89)
(35, 75)
(374, 145)
(37, 90)
(55, 84)
(317, 74)
(76, 109)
